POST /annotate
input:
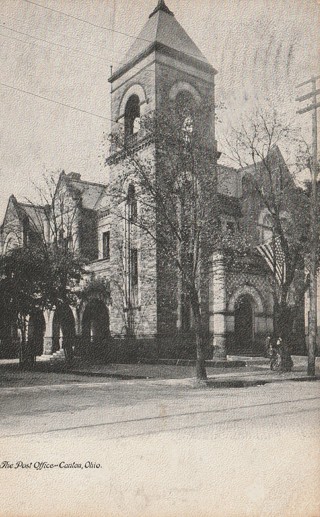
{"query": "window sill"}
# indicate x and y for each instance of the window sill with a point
(133, 308)
(104, 259)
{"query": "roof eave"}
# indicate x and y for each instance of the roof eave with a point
(160, 47)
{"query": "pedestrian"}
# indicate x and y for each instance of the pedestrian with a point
(275, 359)
(286, 359)
(68, 350)
(268, 346)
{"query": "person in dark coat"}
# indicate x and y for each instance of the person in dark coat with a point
(286, 359)
(268, 346)
(67, 345)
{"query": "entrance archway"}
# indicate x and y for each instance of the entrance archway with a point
(96, 329)
(36, 330)
(63, 327)
(243, 325)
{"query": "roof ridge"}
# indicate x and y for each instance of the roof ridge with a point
(32, 205)
(89, 182)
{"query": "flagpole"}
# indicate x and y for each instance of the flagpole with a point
(275, 326)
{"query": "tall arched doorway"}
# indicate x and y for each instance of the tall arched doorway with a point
(96, 330)
(243, 325)
(36, 330)
(63, 327)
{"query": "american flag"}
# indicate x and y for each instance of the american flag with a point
(272, 253)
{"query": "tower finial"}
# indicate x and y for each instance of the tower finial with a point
(161, 7)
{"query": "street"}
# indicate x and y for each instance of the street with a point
(158, 448)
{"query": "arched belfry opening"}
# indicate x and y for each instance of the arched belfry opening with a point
(185, 109)
(132, 117)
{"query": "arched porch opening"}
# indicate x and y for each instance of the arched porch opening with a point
(36, 331)
(63, 327)
(96, 329)
(9, 335)
(244, 324)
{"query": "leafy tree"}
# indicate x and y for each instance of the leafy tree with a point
(44, 271)
(20, 291)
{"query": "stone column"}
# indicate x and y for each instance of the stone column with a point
(218, 323)
(47, 339)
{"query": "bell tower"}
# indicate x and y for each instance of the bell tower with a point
(162, 67)
(162, 63)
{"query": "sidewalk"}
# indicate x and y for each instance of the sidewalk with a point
(257, 372)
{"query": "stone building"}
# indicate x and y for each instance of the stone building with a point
(132, 307)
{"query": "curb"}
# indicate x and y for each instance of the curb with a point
(107, 375)
(210, 363)
(230, 383)
(247, 383)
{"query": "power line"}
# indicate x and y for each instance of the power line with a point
(97, 26)
(64, 35)
(84, 21)
(32, 43)
(57, 102)
(62, 46)
(52, 43)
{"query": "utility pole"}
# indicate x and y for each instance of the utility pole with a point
(313, 220)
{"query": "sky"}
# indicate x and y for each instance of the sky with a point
(261, 48)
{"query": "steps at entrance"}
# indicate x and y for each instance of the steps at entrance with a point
(57, 357)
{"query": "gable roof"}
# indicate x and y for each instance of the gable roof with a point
(89, 192)
(36, 214)
(274, 156)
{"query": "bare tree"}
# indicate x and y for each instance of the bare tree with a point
(173, 169)
(253, 146)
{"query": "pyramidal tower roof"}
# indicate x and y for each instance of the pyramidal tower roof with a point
(162, 30)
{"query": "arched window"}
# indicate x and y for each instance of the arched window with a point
(132, 253)
(132, 203)
(266, 228)
(11, 242)
(229, 225)
(132, 117)
(187, 128)
(286, 224)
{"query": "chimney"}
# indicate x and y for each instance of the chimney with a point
(74, 176)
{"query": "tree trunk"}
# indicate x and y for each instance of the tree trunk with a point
(201, 374)
(312, 323)
(283, 329)
(26, 358)
(23, 355)
(22, 346)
